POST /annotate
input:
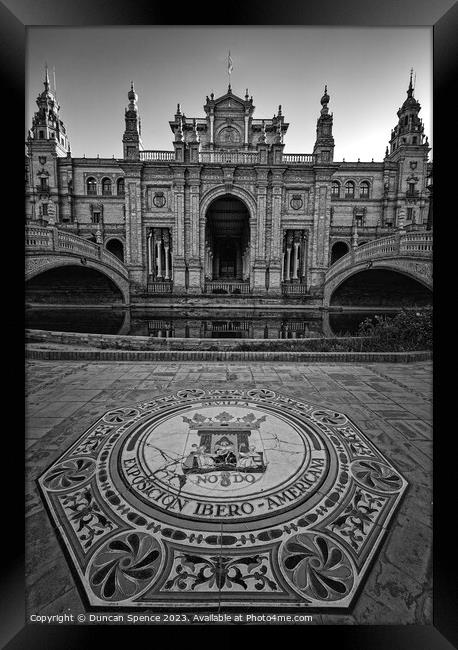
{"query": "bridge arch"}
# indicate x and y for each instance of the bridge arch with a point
(409, 255)
(64, 280)
(390, 284)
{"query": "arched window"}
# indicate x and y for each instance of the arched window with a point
(91, 186)
(364, 190)
(106, 187)
(120, 187)
(349, 190)
(335, 189)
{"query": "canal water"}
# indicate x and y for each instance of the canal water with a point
(198, 324)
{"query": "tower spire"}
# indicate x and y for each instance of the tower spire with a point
(410, 88)
(46, 81)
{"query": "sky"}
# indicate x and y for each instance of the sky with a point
(366, 70)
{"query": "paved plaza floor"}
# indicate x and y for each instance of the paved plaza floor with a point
(225, 484)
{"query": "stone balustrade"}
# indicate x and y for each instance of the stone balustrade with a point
(152, 155)
(45, 238)
(415, 244)
(298, 158)
(227, 287)
(237, 157)
(291, 289)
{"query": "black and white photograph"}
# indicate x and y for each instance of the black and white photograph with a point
(229, 325)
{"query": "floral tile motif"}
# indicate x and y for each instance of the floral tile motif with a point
(241, 497)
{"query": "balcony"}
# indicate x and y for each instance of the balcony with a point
(293, 289)
(158, 286)
(298, 158)
(43, 189)
(236, 157)
(157, 156)
(231, 288)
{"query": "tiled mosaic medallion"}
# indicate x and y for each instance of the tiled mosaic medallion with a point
(222, 496)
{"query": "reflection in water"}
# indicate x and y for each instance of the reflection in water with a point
(90, 321)
(167, 324)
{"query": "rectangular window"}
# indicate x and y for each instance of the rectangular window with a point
(41, 135)
(96, 217)
(44, 183)
(409, 214)
(411, 188)
(44, 209)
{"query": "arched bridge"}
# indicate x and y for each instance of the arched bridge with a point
(48, 248)
(407, 253)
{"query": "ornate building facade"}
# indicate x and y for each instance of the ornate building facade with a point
(226, 210)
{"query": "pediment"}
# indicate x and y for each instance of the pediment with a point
(229, 101)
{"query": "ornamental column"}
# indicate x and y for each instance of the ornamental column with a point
(259, 266)
(179, 264)
(148, 248)
(288, 258)
(159, 254)
(195, 262)
(135, 261)
(304, 258)
(296, 259)
(166, 254)
(275, 233)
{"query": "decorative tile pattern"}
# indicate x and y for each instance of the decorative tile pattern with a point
(242, 497)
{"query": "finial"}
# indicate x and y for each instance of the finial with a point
(46, 81)
(410, 89)
(279, 110)
(212, 95)
(178, 109)
(229, 89)
(246, 95)
(386, 152)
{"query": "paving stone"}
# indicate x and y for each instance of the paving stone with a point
(370, 400)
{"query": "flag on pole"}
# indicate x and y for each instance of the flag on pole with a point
(230, 67)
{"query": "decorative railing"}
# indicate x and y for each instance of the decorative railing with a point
(157, 155)
(290, 289)
(40, 238)
(298, 158)
(160, 287)
(227, 287)
(229, 326)
(415, 244)
(237, 157)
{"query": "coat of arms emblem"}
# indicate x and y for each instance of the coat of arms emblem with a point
(159, 199)
(224, 444)
(296, 202)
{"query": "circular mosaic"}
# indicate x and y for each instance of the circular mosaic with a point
(222, 495)
(220, 463)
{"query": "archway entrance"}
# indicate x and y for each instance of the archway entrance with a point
(115, 247)
(227, 241)
(338, 250)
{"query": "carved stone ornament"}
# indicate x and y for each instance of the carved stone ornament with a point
(296, 202)
(42, 160)
(159, 199)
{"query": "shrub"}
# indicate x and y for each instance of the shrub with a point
(407, 330)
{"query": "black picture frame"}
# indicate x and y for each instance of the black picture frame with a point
(442, 16)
